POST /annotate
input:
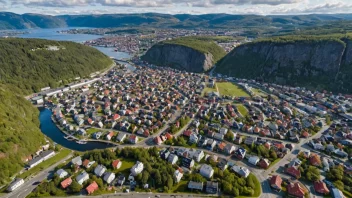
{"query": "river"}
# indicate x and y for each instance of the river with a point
(46, 125)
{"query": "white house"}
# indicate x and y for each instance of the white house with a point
(172, 159)
(178, 175)
(61, 173)
(253, 160)
(223, 131)
(40, 158)
(206, 171)
(77, 161)
(121, 137)
(109, 177)
(137, 168)
(15, 184)
(193, 138)
(243, 171)
(198, 155)
(84, 176)
(99, 170)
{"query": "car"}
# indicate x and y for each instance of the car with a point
(36, 183)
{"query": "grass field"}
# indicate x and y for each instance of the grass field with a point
(242, 109)
(92, 130)
(125, 167)
(180, 187)
(62, 154)
(231, 89)
(208, 90)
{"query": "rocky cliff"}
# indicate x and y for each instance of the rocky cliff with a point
(318, 63)
(185, 53)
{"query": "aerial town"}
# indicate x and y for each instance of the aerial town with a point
(206, 129)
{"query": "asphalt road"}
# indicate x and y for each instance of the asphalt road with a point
(28, 186)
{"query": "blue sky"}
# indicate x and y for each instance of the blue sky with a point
(262, 7)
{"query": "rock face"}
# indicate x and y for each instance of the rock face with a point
(179, 56)
(316, 64)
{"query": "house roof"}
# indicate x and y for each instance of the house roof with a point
(85, 162)
(295, 189)
(115, 163)
(92, 187)
(276, 180)
(321, 187)
(293, 171)
(314, 159)
(67, 182)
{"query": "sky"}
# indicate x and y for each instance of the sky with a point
(260, 7)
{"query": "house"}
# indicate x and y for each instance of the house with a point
(87, 164)
(293, 171)
(219, 136)
(77, 161)
(109, 177)
(116, 164)
(66, 183)
(157, 140)
(164, 154)
(92, 187)
(320, 187)
(336, 193)
(121, 137)
(61, 173)
(222, 164)
(195, 185)
(211, 187)
(253, 160)
(223, 131)
(250, 140)
(193, 138)
(15, 184)
(84, 176)
(110, 135)
(275, 182)
(137, 168)
(295, 189)
(314, 160)
(172, 159)
(121, 179)
(178, 175)
(264, 163)
(229, 149)
(97, 135)
(133, 139)
(242, 171)
(198, 155)
(187, 162)
(99, 170)
(240, 153)
(206, 171)
(40, 158)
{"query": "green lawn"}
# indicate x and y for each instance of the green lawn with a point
(231, 89)
(60, 155)
(182, 186)
(208, 90)
(274, 162)
(242, 109)
(125, 167)
(92, 130)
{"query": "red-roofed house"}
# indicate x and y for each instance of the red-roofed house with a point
(296, 190)
(116, 164)
(187, 133)
(92, 187)
(320, 187)
(110, 135)
(264, 163)
(293, 172)
(157, 140)
(66, 183)
(314, 160)
(133, 139)
(85, 163)
(275, 182)
(168, 136)
(146, 133)
(116, 117)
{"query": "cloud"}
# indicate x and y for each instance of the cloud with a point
(338, 7)
(148, 3)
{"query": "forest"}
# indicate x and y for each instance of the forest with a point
(30, 65)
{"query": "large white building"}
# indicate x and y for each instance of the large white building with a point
(15, 184)
(137, 168)
(206, 171)
(40, 158)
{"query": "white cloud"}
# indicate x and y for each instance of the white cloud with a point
(337, 7)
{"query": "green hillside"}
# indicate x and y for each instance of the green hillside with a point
(19, 131)
(201, 44)
(30, 65)
(26, 65)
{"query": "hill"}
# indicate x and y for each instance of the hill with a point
(194, 54)
(317, 62)
(20, 135)
(31, 64)
(26, 65)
